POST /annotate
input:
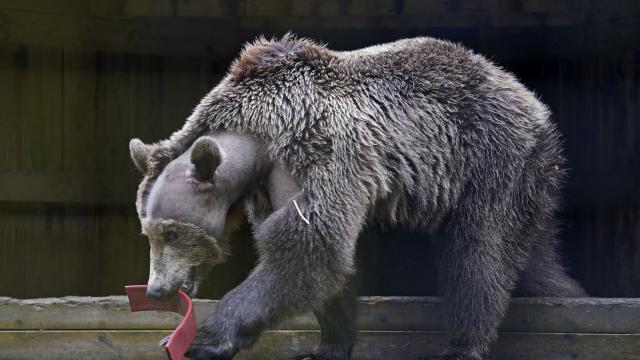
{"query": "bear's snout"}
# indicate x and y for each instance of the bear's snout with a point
(156, 292)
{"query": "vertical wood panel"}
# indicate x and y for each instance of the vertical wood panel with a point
(38, 90)
(10, 251)
(181, 91)
(131, 7)
(9, 145)
(58, 6)
(52, 136)
(146, 99)
(79, 110)
(28, 80)
(56, 250)
(123, 252)
(112, 113)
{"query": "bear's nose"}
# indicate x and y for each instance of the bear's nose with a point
(155, 292)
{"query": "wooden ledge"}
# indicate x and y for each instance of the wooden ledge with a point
(389, 328)
(541, 315)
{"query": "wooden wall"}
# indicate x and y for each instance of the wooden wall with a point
(78, 79)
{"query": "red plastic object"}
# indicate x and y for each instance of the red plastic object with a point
(184, 334)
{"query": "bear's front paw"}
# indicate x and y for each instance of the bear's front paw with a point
(223, 334)
(210, 352)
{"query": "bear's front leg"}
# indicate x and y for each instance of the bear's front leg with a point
(302, 264)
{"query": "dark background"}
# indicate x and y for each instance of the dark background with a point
(79, 78)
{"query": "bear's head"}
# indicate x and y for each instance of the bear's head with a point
(187, 208)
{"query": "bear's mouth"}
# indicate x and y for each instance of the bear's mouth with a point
(189, 285)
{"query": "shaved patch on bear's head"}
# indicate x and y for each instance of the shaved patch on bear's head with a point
(264, 53)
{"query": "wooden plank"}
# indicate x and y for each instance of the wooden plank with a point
(131, 8)
(588, 315)
(35, 277)
(304, 8)
(39, 103)
(10, 147)
(69, 249)
(68, 187)
(11, 229)
(124, 256)
(608, 253)
(32, 108)
(75, 7)
(182, 91)
(146, 101)
(81, 345)
(200, 36)
(567, 346)
(208, 8)
(51, 143)
(145, 35)
(79, 110)
(111, 137)
(56, 240)
(81, 246)
(371, 345)
(28, 96)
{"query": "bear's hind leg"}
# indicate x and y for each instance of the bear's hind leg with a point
(337, 323)
(476, 283)
(479, 268)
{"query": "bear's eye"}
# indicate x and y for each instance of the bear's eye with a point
(170, 236)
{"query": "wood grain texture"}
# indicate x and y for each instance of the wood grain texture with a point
(542, 315)
(188, 36)
(389, 328)
(79, 89)
(10, 147)
(284, 344)
(67, 187)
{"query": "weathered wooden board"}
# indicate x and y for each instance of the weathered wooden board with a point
(76, 7)
(389, 328)
(79, 89)
(189, 36)
(283, 344)
(218, 8)
(10, 146)
(543, 315)
(68, 187)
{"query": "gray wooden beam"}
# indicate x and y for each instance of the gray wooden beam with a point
(188, 36)
(68, 187)
(283, 344)
(539, 315)
(389, 328)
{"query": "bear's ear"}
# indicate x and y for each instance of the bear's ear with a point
(205, 156)
(139, 154)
